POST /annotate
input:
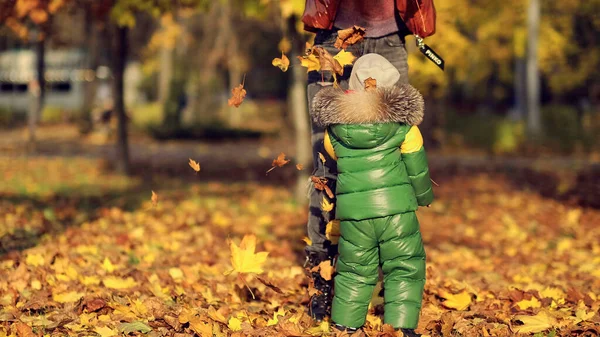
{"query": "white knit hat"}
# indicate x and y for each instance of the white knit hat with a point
(374, 66)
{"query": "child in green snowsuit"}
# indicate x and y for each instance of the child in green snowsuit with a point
(383, 177)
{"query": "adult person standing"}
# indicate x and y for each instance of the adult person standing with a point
(386, 24)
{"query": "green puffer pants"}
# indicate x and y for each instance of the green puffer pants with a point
(395, 243)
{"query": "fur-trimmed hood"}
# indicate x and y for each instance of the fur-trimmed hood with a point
(400, 103)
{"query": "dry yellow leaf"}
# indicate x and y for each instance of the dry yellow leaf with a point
(35, 260)
(106, 331)
(194, 165)
(532, 324)
(176, 274)
(460, 301)
(326, 270)
(243, 258)
(345, 58)
(526, 304)
(154, 199)
(332, 231)
(326, 205)
(282, 63)
(199, 327)
(310, 62)
(108, 266)
(307, 240)
(234, 324)
(119, 283)
(322, 157)
(68, 297)
(299, 167)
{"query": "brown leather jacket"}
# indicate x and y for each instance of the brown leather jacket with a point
(418, 15)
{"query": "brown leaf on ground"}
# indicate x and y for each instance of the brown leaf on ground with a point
(270, 285)
(24, 330)
(349, 36)
(94, 304)
(320, 184)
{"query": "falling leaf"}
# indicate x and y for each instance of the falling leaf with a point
(370, 84)
(284, 45)
(194, 165)
(119, 283)
(237, 95)
(280, 161)
(243, 258)
(332, 231)
(460, 301)
(310, 62)
(299, 167)
(326, 205)
(526, 304)
(322, 157)
(532, 324)
(328, 62)
(154, 199)
(321, 185)
(234, 324)
(349, 36)
(282, 63)
(307, 240)
(344, 58)
(326, 270)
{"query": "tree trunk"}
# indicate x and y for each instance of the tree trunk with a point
(119, 60)
(165, 74)
(298, 105)
(91, 64)
(533, 74)
(37, 91)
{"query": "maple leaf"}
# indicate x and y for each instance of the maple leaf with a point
(532, 324)
(154, 199)
(194, 165)
(460, 301)
(310, 62)
(344, 58)
(282, 63)
(199, 327)
(119, 283)
(70, 296)
(35, 260)
(243, 258)
(280, 161)
(349, 36)
(321, 185)
(237, 95)
(332, 231)
(299, 167)
(325, 269)
(328, 62)
(370, 84)
(106, 331)
(326, 205)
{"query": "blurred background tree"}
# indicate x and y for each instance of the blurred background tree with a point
(173, 64)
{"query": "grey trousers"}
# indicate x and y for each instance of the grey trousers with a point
(393, 49)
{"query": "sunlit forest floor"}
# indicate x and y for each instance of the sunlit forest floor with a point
(85, 252)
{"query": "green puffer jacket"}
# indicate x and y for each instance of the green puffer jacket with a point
(383, 177)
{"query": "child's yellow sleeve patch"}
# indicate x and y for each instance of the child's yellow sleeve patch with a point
(329, 146)
(413, 141)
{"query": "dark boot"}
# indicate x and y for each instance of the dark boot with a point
(345, 328)
(319, 306)
(410, 333)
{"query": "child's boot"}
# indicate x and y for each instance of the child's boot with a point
(410, 333)
(319, 306)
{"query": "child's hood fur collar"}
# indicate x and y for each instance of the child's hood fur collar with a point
(401, 103)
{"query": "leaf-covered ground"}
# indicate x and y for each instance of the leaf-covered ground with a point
(103, 260)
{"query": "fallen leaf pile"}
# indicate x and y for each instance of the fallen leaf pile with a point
(226, 260)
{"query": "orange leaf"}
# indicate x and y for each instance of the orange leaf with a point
(194, 164)
(280, 161)
(370, 83)
(237, 95)
(327, 61)
(282, 63)
(326, 270)
(300, 167)
(349, 36)
(321, 185)
(154, 199)
(38, 16)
